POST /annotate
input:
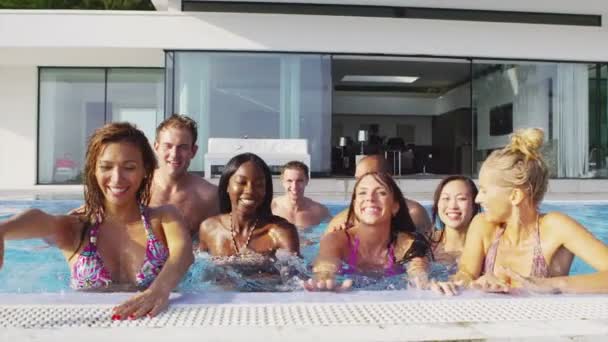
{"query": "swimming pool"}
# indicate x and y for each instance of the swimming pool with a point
(34, 295)
(34, 267)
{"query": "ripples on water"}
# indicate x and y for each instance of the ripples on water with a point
(33, 266)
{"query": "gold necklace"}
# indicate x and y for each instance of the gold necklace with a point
(234, 233)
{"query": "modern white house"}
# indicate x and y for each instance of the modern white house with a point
(436, 84)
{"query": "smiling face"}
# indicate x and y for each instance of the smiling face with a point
(246, 189)
(494, 197)
(374, 203)
(119, 172)
(175, 149)
(455, 205)
(294, 181)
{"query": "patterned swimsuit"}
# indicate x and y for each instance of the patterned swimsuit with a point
(88, 272)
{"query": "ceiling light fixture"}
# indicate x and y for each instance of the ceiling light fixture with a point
(379, 79)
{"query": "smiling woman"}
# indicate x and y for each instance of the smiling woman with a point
(246, 226)
(381, 238)
(118, 242)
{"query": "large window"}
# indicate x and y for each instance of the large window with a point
(76, 101)
(255, 95)
(560, 98)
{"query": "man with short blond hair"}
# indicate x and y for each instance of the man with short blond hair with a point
(175, 146)
(301, 211)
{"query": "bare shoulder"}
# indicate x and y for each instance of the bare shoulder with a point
(210, 224)
(480, 226)
(318, 208)
(339, 219)
(413, 205)
(202, 186)
(281, 225)
(336, 239)
(277, 202)
(166, 212)
(417, 212)
(560, 223)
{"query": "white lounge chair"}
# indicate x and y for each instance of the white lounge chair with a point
(275, 152)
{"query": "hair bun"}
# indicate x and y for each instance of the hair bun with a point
(528, 142)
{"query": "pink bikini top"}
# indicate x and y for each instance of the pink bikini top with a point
(88, 272)
(392, 268)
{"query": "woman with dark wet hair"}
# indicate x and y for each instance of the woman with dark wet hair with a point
(381, 240)
(246, 226)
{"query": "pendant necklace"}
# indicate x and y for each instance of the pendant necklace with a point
(234, 233)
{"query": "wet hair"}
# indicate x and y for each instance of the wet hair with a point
(295, 165)
(181, 122)
(435, 211)
(116, 132)
(521, 163)
(400, 223)
(264, 210)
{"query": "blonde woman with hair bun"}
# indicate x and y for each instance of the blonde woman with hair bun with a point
(511, 244)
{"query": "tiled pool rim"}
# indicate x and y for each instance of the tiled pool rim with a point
(299, 316)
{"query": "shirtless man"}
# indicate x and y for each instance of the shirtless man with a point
(377, 163)
(194, 197)
(293, 206)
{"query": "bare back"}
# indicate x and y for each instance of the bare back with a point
(195, 198)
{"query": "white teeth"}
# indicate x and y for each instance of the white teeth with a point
(118, 191)
(453, 215)
(371, 210)
(247, 201)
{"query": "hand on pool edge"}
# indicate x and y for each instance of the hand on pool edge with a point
(446, 288)
(531, 284)
(147, 303)
(314, 285)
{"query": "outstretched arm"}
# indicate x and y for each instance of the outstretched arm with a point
(35, 223)
(327, 264)
(156, 297)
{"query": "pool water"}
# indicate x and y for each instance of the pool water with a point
(34, 266)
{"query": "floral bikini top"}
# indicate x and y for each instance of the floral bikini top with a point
(539, 269)
(88, 272)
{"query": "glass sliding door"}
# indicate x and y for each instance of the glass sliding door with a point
(71, 107)
(136, 96)
(76, 101)
(255, 95)
(509, 95)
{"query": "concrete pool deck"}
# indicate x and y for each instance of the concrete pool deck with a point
(301, 316)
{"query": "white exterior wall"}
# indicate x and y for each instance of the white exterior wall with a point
(29, 39)
(18, 91)
(19, 99)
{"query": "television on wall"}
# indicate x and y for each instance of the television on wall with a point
(501, 119)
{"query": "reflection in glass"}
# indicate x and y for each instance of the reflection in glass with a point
(553, 96)
(71, 107)
(136, 96)
(238, 95)
(76, 101)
